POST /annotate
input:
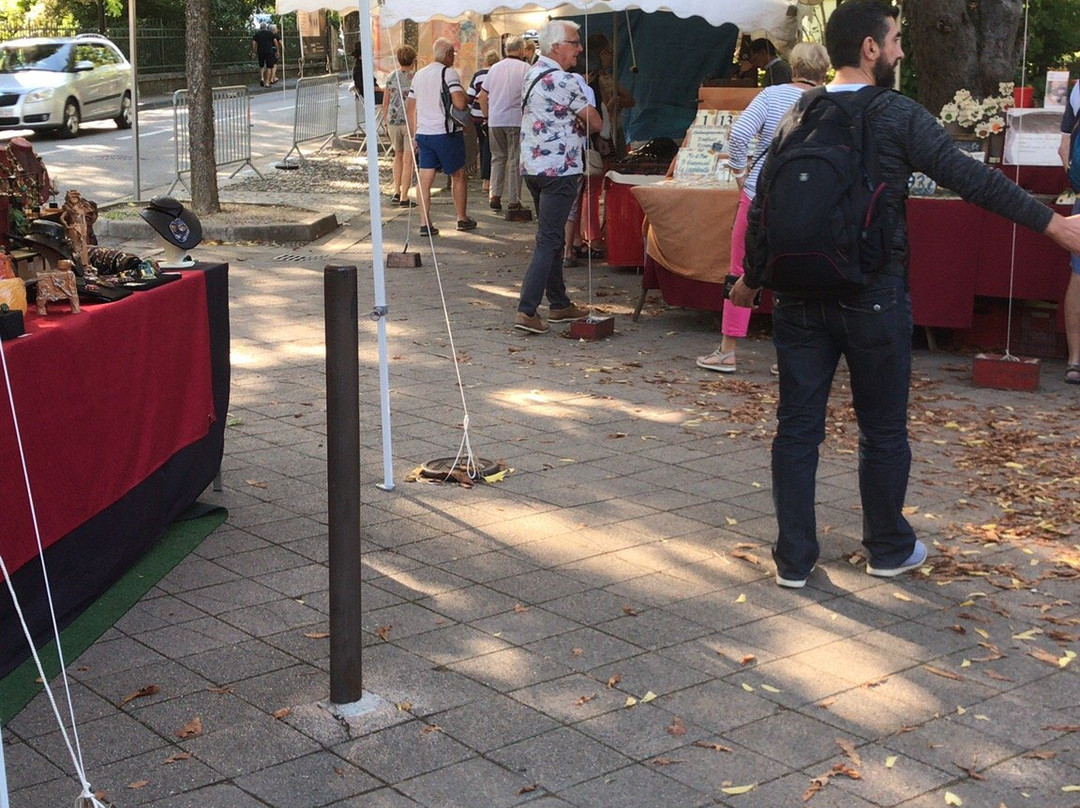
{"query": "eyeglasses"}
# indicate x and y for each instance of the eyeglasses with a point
(572, 42)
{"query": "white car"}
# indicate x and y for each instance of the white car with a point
(58, 83)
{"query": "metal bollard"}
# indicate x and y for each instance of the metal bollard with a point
(343, 481)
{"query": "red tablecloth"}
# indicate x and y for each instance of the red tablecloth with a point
(103, 398)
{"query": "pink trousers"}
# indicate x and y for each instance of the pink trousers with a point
(736, 318)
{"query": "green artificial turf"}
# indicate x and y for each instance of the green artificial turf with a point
(22, 684)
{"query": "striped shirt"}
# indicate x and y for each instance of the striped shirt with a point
(760, 118)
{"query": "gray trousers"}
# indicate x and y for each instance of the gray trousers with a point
(505, 143)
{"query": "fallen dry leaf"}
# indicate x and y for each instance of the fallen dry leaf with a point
(1040, 754)
(520, 607)
(138, 784)
(383, 633)
(191, 729)
(630, 610)
(664, 761)
(614, 679)
(256, 483)
(716, 747)
(584, 700)
(745, 556)
(176, 758)
(142, 692)
(528, 789)
(431, 728)
(577, 651)
(404, 706)
(220, 691)
(678, 727)
(849, 750)
(284, 712)
(746, 660)
(947, 674)
(1043, 656)
(317, 635)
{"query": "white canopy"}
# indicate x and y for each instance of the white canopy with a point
(749, 15)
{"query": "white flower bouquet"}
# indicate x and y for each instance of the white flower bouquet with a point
(981, 118)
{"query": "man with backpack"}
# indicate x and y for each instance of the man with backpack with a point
(852, 299)
(438, 134)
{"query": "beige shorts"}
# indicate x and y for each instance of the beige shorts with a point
(399, 137)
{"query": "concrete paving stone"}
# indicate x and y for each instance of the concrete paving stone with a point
(195, 574)
(216, 795)
(491, 565)
(570, 495)
(272, 617)
(572, 698)
(118, 653)
(637, 786)
(949, 693)
(258, 513)
(790, 790)
(918, 641)
(538, 586)
(645, 732)
(403, 620)
(420, 582)
(24, 766)
(404, 751)
(944, 742)
(493, 722)
(661, 526)
(400, 677)
(1018, 667)
(261, 561)
(453, 643)
(653, 629)
(249, 746)
(102, 740)
(656, 672)
(571, 544)
(874, 712)
(846, 660)
(601, 570)
(793, 739)
(226, 541)
(386, 562)
(559, 759)
(923, 597)
(468, 604)
(708, 770)
(445, 548)
(584, 649)
(716, 655)
(972, 792)
(467, 784)
(61, 791)
(718, 706)
(592, 605)
(303, 683)
(906, 780)
(315, 780)
(296, 582)
(662, 588)
(232, 663)
(512, 669)
(1056, 693)
(156, 775)
(219, 598)
(1040, 778)
(153, 613)
(998, 719)
(172, 679)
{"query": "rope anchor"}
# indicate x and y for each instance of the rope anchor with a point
(378, 312)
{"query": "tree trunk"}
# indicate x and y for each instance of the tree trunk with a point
(204, 190)
(963, 44)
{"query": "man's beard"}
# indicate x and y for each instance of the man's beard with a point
(884, 73)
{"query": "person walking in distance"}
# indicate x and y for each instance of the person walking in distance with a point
(870, 325)
(500, 103)
(262, 48)
(557, 118)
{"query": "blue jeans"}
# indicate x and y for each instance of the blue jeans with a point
(872, 329)
(553, 198)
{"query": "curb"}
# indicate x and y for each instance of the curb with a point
(307, 229)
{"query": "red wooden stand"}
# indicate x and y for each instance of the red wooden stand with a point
(1005, 373)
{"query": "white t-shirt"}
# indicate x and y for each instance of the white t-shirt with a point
(504, 83)
(426, 90)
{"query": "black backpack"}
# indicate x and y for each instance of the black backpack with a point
(822, 225)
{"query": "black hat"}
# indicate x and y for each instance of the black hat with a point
(48, 238)
(177, 226)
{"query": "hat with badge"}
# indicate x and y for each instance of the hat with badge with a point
(172, 222)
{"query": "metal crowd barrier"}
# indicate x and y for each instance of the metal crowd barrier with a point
(316, 114)
(232, 131)
(382, 136)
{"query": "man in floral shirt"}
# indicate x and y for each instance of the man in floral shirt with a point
(557, 116)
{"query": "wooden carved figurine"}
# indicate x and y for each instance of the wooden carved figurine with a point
(57, 284)
(78, 216)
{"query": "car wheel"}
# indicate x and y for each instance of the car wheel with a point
(123, 120)
(70, 125)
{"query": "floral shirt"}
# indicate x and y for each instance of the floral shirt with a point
(395, 113)
(552, 134)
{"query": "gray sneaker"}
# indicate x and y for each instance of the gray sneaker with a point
(534, 324)
(916, 559)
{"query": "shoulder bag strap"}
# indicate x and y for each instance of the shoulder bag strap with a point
(525, 98)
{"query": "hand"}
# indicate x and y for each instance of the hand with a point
(743, 296)
(1065, 230)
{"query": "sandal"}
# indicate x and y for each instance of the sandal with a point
(718, 361)
(1072, 374)
(582, 251)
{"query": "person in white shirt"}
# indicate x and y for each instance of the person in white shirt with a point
(440, 141)
(500, 102)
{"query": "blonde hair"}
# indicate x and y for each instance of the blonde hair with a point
(406, 55)
(809, 60)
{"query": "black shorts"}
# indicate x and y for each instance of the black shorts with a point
(267, 58)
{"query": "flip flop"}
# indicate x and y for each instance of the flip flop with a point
(718, 361)
(1072, 374)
